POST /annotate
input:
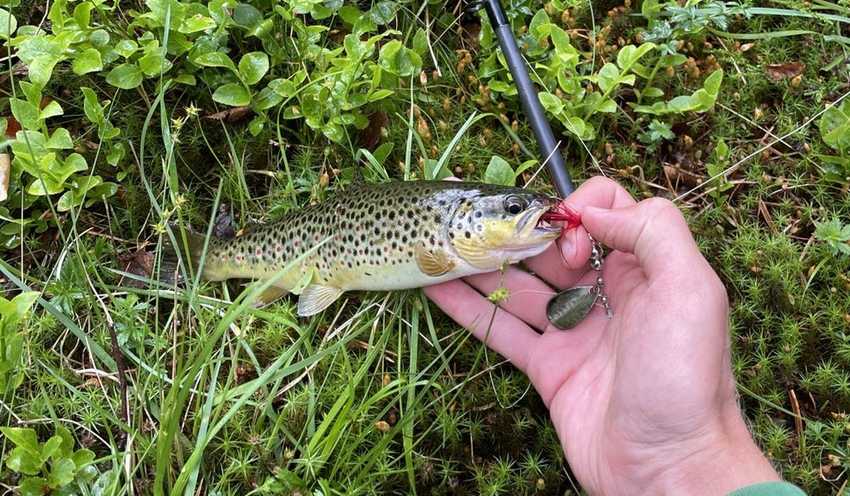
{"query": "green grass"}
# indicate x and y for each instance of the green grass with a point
(382, 393)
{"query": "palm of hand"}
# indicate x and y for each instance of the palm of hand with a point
(605, 380)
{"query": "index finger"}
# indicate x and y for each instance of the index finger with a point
(563, 263)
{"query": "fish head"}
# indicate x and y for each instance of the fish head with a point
(491, 229)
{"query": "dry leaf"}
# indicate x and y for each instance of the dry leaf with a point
(139, 263)
(370, 136)
(5, 169)
(778, 72)
(235, 114)
(12, 127)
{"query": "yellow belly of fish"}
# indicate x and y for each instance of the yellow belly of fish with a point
(395, 277)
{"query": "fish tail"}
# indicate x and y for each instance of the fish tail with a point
(182, 262)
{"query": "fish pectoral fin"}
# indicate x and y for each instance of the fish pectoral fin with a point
(433, 263)
(269, 296)
(475, 254)
(315, 298)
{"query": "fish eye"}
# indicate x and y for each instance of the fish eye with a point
(515, 204)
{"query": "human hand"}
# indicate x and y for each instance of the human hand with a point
(643, 403)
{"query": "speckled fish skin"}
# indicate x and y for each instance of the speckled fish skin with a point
(389, 236)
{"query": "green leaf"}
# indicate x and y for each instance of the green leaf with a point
(67, 447)
(186, 79)
(379, 95)
(704, 98)
(653, 92)
(82, 14)
(60, 140)
(607, 106)
(20, 306)
(40, 46)
(75, 196)
(563, 48)
(100, 192)
(247, 16)
(420, 42)
(105, 482)
(383, 12)
(50, 448)
(154, 63)
(195, 23)
(41, 68)
(579, 127)
(61, 473)
(83, 457)
(116, 153)
(834, 126)
(52, 109)
(87, 61)
(539, 24)
(8, 24)
(24, 438)
(24, 462)
(266, 99)
(233, 94)
(835, 234)
(253, 66)
(608, 77)
(34, 486)
(629, 55)
(701, 101)
(91, 107)
(215, 59)
(99, 38)
(551, 102)
(499, 171)
(399, 60)
(255, 127)
(125, 76)
(126, 48)
(26, 113)
(721, 151)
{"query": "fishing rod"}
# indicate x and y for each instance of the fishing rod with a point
(528, 96)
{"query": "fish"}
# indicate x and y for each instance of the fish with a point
(386, 236)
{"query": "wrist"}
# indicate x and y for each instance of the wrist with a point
(717, 464)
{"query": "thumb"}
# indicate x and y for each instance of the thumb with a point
(654, 230)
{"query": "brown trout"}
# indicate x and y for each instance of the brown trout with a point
(386, 236)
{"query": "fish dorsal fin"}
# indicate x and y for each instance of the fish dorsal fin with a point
(474, 253)
(315, 298)
(434, 263)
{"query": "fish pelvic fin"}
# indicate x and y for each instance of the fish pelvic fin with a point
(315, 298)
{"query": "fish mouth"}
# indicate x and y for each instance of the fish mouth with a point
(542, 228)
